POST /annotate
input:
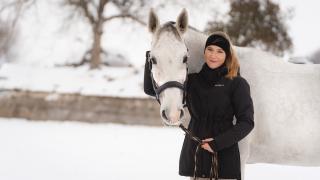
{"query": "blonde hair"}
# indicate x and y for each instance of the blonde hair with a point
(232, 61)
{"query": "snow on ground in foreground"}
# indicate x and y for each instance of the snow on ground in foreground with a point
(80, 151)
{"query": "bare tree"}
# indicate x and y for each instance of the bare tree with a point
(10, 12)
(15, 8)
(256, 23)
(6, 39)
(94, 11)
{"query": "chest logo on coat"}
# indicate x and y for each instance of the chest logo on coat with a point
(218, 85)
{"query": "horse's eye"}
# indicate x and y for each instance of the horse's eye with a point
(185, 59)
(153, 60)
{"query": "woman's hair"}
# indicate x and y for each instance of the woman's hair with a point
(231, 62)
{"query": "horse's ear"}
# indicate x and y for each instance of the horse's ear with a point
(153, 23)
(182, 21)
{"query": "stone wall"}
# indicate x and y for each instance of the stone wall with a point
(76, 107)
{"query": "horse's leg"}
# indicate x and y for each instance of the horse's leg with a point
(244, 154)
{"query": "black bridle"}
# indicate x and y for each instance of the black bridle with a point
(176, 84)
(170, 84)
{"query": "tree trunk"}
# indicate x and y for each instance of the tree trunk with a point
(95, 60)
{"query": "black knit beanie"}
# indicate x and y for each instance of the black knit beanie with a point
(220, 41)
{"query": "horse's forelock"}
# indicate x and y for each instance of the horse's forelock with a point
(169, 27)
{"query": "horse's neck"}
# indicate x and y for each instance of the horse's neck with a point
(195, 42)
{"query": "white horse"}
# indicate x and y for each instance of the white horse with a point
(286, 96)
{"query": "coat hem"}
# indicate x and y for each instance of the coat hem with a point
(238, 177)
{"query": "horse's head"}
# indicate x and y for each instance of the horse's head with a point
(168, 60)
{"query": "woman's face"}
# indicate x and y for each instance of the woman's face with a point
(214, 56)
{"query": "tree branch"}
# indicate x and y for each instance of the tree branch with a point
(101, 6)
(129, 16)
(82, 4)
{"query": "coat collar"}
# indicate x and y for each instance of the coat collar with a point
(213, 75)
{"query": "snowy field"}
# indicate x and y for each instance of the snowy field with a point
(79, 151)
(107, 81)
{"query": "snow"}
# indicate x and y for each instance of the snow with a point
(107, 81)
(48, 150)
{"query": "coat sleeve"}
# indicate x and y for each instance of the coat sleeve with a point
(147, 82)
(243, 110)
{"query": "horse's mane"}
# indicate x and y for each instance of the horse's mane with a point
(170, 26)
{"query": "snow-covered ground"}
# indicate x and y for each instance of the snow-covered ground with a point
(80, 151)
(107, 81)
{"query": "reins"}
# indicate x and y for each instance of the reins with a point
(214, 156)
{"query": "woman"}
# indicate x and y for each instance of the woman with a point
(214, 96)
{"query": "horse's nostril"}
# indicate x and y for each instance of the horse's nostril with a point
(164, 114)
(181, 113)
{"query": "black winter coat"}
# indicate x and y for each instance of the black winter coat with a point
(213, 100)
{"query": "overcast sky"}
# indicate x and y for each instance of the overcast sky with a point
(304, 27)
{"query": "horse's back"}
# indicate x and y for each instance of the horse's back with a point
(286, 100)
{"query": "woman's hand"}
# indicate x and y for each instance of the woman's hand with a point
(205, 144)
